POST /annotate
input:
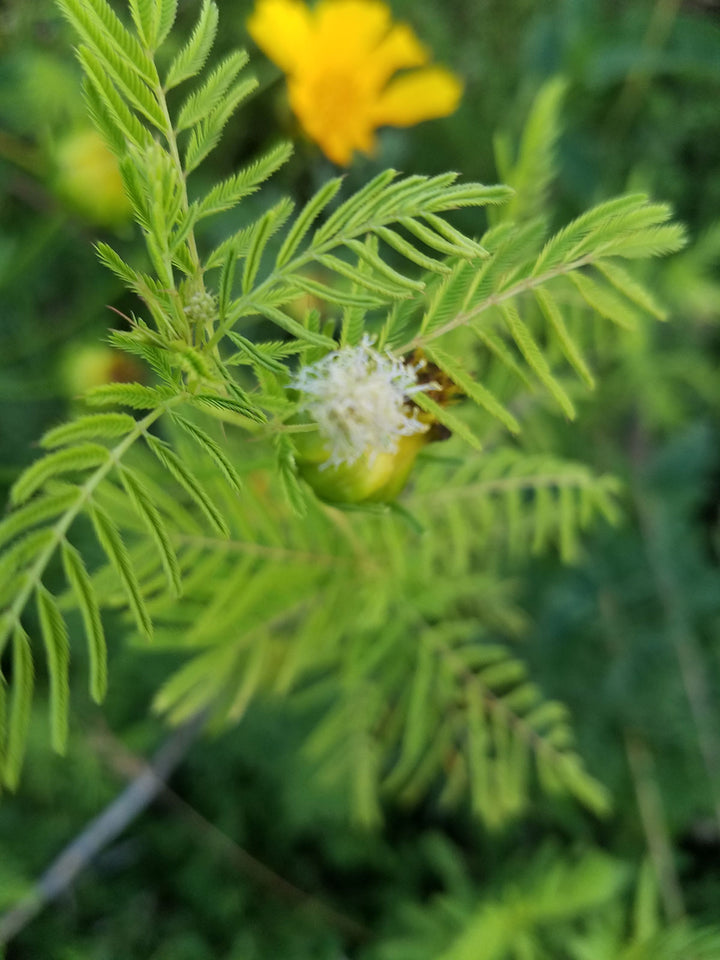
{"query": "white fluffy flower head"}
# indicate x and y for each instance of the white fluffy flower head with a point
(358, 398)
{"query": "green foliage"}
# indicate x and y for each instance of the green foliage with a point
(534, 169)
(470, 707)
(564, 909)
(277, 622)
(390, 635)
(625, 635)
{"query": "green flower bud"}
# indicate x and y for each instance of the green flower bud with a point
(378, 479)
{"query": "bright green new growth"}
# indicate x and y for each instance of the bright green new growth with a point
(215, 545)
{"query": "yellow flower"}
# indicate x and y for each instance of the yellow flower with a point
(340, 58)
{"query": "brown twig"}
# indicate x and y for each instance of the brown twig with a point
(147, 783)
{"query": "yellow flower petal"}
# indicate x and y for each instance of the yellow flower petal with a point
(348, 31)
(420, 95)
(400, 48)
(282, 29)
(335, 111)
(340, 58)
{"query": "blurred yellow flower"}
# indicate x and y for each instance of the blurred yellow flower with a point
(340, 58)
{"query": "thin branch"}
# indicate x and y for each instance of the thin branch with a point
(687, 647)
(652, 815)
(642, 770)
(655, 537)
(495, 703)
(128, 765)
(495, 299)
(101, 831)
(281, 554)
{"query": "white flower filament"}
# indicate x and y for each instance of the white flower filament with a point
(358, 398)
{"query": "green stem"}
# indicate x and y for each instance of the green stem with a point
(171, 139)
(657, 541)
(522, 286)
(175, 154)
(530, 283)
(641, 766)
(654, 821)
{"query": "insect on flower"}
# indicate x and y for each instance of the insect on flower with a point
(341, 58)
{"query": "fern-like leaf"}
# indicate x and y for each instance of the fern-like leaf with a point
(57, 647)
(185, 477)
(204, 100)
(116, 551)
(86, 600)
(150, 515)
(191, 59)
(19, 709)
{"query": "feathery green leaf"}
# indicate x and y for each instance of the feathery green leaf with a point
(205, 135)
(214, 451)
(82, 588)
(101, 425)
(191, 59)
(552, 314)
(57, 648)
(530, 349)
(36, 512)
(110, 540)
(146, 17)
(19, 710)
(471, 388)
(133, 395)
(304, 220)
(70, 460)
(204, 100)
(177, 469)
(149, 514)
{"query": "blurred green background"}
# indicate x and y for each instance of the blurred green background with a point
(251, 857)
